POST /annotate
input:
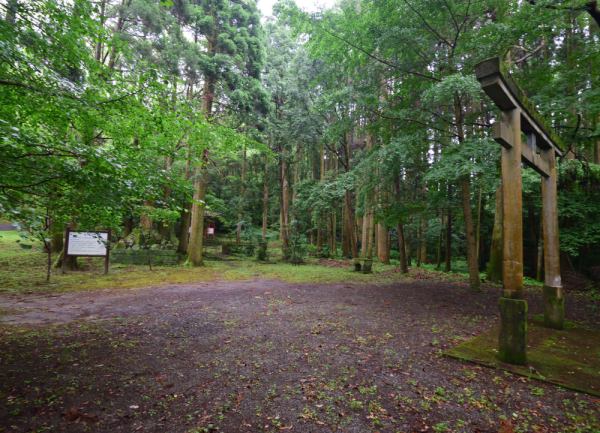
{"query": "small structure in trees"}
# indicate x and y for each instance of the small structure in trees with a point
(539, 151)
(210, 229)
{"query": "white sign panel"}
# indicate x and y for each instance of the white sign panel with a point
(211, 231)
(87, 244)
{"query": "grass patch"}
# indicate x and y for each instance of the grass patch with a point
(310, 272)
(13, 246)
(23, 271)
(569, 358)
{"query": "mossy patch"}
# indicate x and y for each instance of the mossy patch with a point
(569, 358)
(24, 272)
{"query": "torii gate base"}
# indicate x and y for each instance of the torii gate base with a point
(539, 152)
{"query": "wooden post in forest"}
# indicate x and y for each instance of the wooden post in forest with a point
(539, 151)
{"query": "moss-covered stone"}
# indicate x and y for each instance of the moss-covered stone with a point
(513, 331)
(566, 358)
(554, 307)
(357, 266)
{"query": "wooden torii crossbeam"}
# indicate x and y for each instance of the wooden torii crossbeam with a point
(539, 151)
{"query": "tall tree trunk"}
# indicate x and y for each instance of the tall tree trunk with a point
(240, 215)
(350, 231)
(343, 236)
(539, 265)
(98, 54)
(383, 243)
(465, 186)
(186, 216)
(285, 203)
(265, 203)
(321, 180)
(448, 247)
(402, 249)
(370, 234)
(333, 234)
(400, 230)
(597, 144)
(333, 215)
(166, 228)
(350, 244)
(368, 217)
(419, 242)
(184, 234)
(478, 224)
(195, 247)
(438, 254)
(494, 266)
(423, 241)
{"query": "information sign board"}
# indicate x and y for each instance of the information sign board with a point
(90, 244)
(87, 244)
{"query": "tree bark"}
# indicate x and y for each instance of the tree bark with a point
(402, 249)
(265, 203)
(240, 215)
(423, 241)
(478, 225)
(321, 180)
(438, 255)
(285, 202)
(186, 216)
(494, 266)
(448, 247)
(333, 217)
(383, 243)
(465, 186)
(195, 247)
(98, 54)
(539, 265)
(350, 245)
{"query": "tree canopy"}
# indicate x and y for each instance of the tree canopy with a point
(357, 131)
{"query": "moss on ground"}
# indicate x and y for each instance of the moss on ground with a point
(569, 358)
(23, 271)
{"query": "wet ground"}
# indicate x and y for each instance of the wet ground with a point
(267, 356)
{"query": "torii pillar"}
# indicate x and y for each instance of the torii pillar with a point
(539, 151)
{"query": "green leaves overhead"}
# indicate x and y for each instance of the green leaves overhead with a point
(444, 92)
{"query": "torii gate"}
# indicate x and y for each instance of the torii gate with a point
(539, 151)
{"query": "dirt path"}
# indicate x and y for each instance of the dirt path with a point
(105, 304)
(267, 356)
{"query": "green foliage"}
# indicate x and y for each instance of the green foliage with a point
(455, 85)
(109, 108)
(262, 252)
(474, 157)
(579, 205)
(297, 250)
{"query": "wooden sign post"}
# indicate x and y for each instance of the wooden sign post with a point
(539, 152)
(87, 244)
